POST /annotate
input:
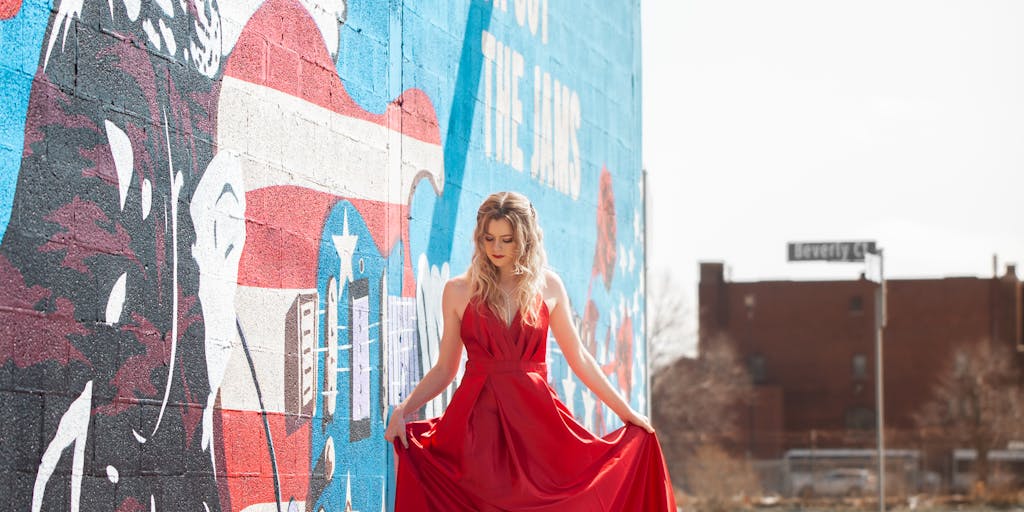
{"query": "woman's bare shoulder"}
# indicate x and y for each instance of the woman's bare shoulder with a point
(459, 285)
(554, 290)
(457, 292)
(552, 281)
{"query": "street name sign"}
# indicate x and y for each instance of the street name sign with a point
(851, 251)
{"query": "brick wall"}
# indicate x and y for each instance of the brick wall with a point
(807, 335)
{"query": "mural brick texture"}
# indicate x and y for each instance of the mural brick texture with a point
(226, 227)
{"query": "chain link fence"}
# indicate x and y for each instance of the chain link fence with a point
(839, 469)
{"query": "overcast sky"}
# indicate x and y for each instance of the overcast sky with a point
(768, 121)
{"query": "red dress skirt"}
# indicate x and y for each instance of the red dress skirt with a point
(506, 442)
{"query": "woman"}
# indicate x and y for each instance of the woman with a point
(506, 442)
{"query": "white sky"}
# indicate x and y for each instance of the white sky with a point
(768, 121)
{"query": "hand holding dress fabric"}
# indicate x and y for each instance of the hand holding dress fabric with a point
(639, 420)
(396, 427)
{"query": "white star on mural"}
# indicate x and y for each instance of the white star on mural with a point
(588, 410)
(569, 388)
(613, 321)
(637, 233)
(348, 494)
(345, 244)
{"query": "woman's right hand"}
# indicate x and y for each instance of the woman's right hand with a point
(396, 427)
(639, 420)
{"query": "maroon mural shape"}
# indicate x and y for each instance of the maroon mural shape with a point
(604, 253)
(605, 256)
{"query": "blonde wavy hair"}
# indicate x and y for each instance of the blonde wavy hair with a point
(528, 263)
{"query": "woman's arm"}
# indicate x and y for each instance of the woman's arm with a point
(443, 372)
(582, 362)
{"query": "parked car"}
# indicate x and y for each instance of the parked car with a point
(839, 482)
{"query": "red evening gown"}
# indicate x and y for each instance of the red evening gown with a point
(506, 442)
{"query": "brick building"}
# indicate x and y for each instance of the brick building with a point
(810, 348)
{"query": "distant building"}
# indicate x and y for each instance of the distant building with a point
(810, 348)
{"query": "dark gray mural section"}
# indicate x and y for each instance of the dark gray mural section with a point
(104, 369)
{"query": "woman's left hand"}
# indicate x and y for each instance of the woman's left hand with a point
(396, 427)
(638, 420)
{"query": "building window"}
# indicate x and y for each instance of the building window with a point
(749, 303)
(757, 368)
(960, 364)
(856, 305)
(860, 367)
(860, 418)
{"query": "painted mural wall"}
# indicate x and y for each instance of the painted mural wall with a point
(226, 226)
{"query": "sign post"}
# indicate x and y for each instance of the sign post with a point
(880, 319)
(856, 252)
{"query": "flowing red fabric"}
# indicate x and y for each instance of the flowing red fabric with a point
(506, 442)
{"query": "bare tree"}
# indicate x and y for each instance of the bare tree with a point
(695, 401)
(669, 327)
(719, 479)
(976, 403)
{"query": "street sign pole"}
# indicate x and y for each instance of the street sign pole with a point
(857, 251)
(880, 320)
